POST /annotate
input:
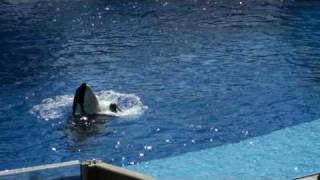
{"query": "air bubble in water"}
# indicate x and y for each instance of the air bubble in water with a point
(148, 147)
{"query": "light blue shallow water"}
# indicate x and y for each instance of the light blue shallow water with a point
(191, 75)
(285, 154)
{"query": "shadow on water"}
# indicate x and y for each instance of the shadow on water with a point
(69, 178)
(78, 131)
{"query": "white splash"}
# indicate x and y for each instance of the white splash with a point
(52, 108)
(129, 104)
(58, 106)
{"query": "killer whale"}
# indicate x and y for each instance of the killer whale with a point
(85, 103)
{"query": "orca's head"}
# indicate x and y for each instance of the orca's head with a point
(85, 101)
(83, 87)
(77, 107)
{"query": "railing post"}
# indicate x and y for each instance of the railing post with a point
(84, 169)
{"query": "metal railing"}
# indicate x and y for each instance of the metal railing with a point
(88, 170)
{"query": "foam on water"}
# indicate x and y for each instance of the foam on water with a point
(129, 104)
(59, 106)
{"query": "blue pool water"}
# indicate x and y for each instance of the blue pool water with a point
(191, 75)
(283, 154)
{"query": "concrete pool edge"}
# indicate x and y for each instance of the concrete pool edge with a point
(284, 154)
(99, 170)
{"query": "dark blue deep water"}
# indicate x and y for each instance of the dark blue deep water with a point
(210, 72)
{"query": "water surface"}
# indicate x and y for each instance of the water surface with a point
(209, 73)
